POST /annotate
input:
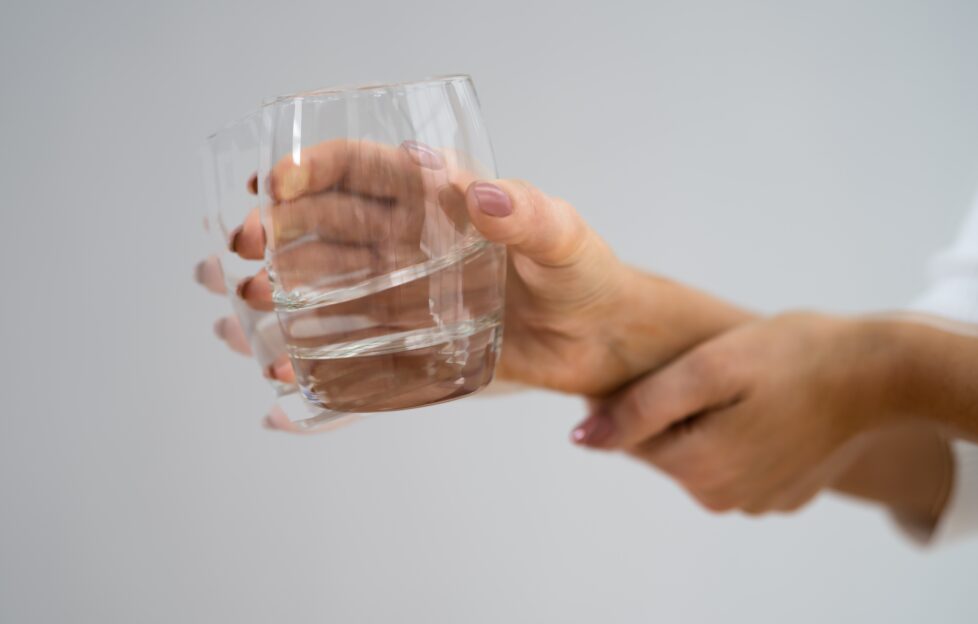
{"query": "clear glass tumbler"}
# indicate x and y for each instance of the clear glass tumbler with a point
(230, 165)
(230, 160)
(387, 296)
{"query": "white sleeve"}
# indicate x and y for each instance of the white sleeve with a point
(953, 294)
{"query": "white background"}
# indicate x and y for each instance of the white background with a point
(783, 154)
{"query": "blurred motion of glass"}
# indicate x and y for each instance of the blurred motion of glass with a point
(387, 295)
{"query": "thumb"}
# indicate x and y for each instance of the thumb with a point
(515, 213)
(701, 381)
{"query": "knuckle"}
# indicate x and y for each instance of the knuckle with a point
(703, 475)
(716, 498)
(716, 503)
(759, 504)
(796, 504)
(755, 510)
(791, 507)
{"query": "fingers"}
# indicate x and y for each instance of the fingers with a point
(363, 167)
(248, 239)
(787, 492)
(792, 499)
(229, 330)
(718, 461)
(332, 215)
(208, 274)
(353, 193)
(316, 168)
(687, 454)
(512, 212)
(340, 217)
(256, 291)
(415, 305)
(308, 263)
(694, 455)
(280, 370)
(699, 382)
(278, 420)
(391, 381)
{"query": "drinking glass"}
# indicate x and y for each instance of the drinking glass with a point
(230, 163)
(387, 296)
(230, 159)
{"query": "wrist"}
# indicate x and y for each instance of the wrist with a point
(879, 352)
(658, 319)
(912, 367)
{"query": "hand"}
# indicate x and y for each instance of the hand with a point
(577, 319)
(208, 274)
(760, 418)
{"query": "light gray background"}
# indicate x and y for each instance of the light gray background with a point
(780, 153)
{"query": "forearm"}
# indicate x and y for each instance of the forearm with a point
(934, 376)
(923, 379)
(908, 468)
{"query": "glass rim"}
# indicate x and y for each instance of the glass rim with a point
(367, 87)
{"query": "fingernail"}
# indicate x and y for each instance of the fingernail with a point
(253, 184)
(233, 239)
(276, 420)
(277, 370)
(219, 327)
(423, 156)
(491, 199)
(280, 370)
(596, 430)
(242, 287)
(199, 272)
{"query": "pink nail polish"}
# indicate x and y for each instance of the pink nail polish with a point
(278, 370)
(233, 239)
(281, 370)
(579, 433)
(491, 199)
(596, 430)
(423, 156)
(242, 288)
(219, 327)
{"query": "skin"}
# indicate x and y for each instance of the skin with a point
(563, 282)
(759, 418)
(764, 416)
